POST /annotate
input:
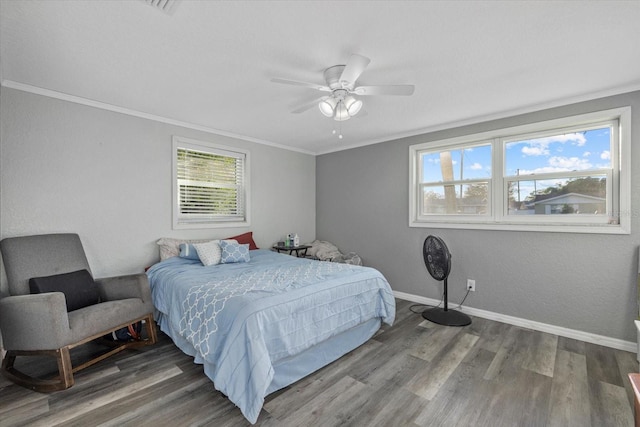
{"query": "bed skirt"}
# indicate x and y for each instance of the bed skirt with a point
(291, 369)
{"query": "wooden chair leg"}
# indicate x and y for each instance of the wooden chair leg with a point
(65, 369)
(152, 336)
(62, 382)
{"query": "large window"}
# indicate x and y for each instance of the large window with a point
(569, 174)
(210, 185)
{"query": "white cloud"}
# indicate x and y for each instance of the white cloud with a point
(544, 169)
(586, 154)
(540, 146)
(476, 166)
(576, 138)
(569, 163)
(535, 151)
(605, 155)
(560, 164)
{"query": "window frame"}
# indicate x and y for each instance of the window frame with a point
(193, 221)
(618, 180)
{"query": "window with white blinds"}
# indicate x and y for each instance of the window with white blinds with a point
(210, 185)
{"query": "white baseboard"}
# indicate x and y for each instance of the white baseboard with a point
(530, 324)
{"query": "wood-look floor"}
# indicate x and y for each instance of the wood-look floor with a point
(415, 373)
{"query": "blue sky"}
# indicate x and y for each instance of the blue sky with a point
(580, 151)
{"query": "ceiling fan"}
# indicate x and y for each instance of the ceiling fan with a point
(340, 102)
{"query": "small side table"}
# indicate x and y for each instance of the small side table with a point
(301, 250)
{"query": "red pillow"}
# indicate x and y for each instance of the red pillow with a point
(244, 239)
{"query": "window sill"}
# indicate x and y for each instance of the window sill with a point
(547, 228)
(201, 225)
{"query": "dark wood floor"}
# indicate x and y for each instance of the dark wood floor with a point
(414, 373)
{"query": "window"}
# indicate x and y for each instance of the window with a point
(569, 175)
(210, 185)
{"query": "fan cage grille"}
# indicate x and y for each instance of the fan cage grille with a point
(437, 257)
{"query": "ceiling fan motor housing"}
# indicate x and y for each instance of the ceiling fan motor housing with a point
(332, 77)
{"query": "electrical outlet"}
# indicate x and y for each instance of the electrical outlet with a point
(471, 285)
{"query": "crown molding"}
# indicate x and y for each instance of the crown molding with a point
(494, 116)
(134, 113)
(438, 127)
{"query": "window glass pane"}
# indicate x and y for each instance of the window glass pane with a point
(462, 199)
(457, 164)
(576, 151)
(583, 195)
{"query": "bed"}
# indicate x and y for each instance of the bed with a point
(261, 325)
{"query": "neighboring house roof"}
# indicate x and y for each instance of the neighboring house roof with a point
(570, 198)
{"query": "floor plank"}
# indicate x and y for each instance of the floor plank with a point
(609, 405)
(426, 383)
(570, 391)
(541, 355)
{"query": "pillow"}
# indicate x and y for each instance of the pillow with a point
(245, 238)
(188, 251)
(234, 252)
(171, 247)
(209, 252)
(78, 288)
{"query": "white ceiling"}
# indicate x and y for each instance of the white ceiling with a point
(209, 63)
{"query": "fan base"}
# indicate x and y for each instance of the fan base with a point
(446, 317)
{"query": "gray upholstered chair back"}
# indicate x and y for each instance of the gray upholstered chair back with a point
(44, 255)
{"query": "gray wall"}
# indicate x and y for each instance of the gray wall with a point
(584, 282)
(66, 167)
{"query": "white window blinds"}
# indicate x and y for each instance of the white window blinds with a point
(210, 184)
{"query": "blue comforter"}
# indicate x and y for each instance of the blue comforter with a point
(239, 319)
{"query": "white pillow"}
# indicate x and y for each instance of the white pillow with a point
(209, 253)
(171, 247)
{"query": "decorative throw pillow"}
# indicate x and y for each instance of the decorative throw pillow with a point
(78, 288)
(170, 247)
(245, 238)
(234, 252)
(209, 252)
(188, 251)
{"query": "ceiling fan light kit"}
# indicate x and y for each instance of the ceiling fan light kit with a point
(341, 106)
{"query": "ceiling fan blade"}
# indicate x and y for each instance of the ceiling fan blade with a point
(404, 90)
(303, 84)
(309, 105)
(355, 66)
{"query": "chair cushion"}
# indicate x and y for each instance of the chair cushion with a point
(78, 288)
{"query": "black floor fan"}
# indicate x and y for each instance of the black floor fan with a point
(437, 258)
